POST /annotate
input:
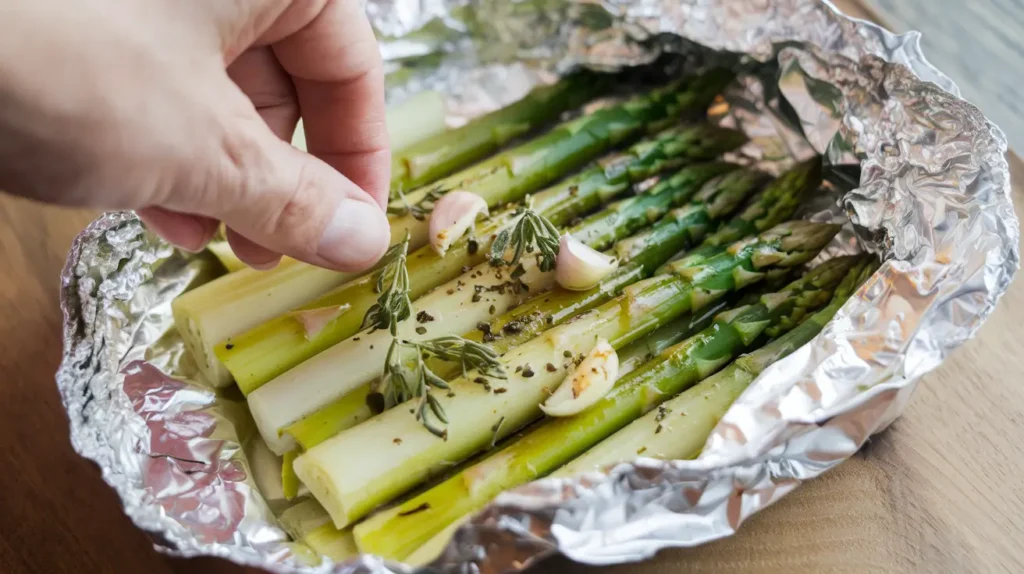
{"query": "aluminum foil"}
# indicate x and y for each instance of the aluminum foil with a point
(931, 197)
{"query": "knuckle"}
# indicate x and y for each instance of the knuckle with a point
(296, 218)
(279, 200)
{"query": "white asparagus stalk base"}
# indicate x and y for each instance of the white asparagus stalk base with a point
(360, 359)
(242, 300)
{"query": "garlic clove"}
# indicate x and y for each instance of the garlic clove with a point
(452, 216)
(588, 383)
(314, 320)
(580, 267)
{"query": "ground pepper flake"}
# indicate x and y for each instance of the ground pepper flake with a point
(550, 368)
(527, 371)
(662, 413)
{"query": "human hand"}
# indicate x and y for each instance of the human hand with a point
(180, 109)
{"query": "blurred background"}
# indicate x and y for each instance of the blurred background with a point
(979, 43)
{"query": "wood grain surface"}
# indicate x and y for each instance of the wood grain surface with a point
(941, 491)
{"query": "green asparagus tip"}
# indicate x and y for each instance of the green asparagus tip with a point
(802, 235)
(867, 264)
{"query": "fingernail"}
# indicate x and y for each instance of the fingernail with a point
(356, 237)
(264, 265)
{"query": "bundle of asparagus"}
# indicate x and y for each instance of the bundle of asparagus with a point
(464, 302)
(699, 409)
(640, 255)
(398, 531)
(349, 492)
(262, 353)
(241, 300)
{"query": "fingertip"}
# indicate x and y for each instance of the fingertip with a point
(356, 236)
(251, 253)
(185, 231)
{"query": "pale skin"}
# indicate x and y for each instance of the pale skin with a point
(182, 110)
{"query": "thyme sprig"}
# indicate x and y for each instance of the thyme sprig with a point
(393, 304)
(407, 376)
(531, 233)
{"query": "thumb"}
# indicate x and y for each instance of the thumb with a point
(276, 198)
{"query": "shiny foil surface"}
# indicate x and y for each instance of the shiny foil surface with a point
(931, 197)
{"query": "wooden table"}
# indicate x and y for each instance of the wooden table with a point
(939, 492)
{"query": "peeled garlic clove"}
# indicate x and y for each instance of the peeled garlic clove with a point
(314, 320)
(452, 216)
(580, 267)
(587, 384)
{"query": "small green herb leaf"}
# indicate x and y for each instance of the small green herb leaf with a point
(393, 305)
(531, 233)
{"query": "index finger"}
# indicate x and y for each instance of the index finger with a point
(335, 64)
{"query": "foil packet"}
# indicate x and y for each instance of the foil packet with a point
(931, 197)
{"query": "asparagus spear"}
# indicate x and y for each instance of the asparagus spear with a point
(640, 253)
(440, 155)
(262, 353)
(242, 300)
(396, 532)
(349, 490)
(681, 426)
